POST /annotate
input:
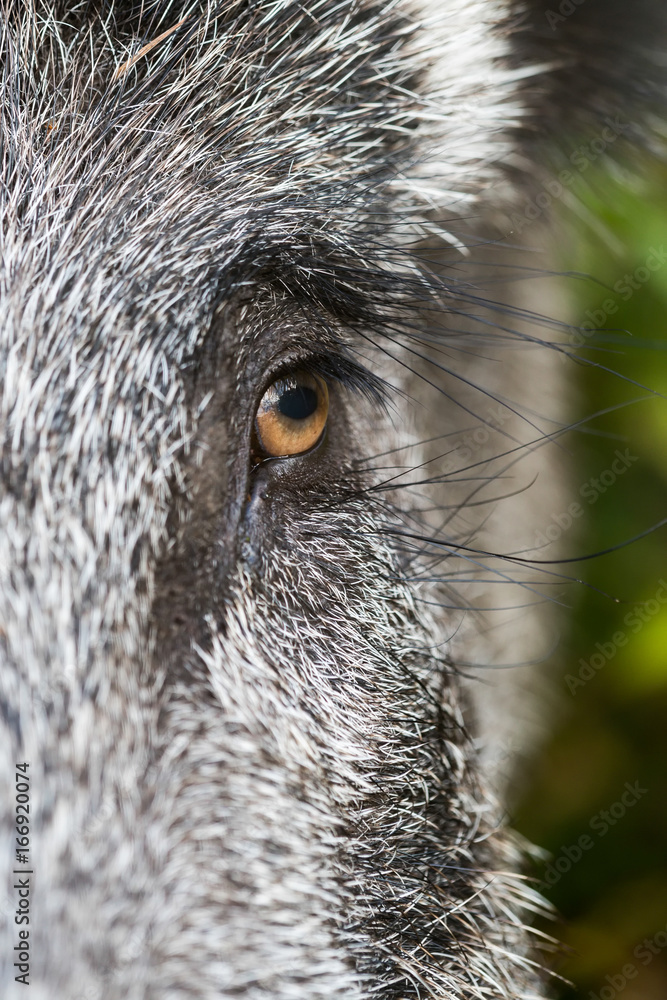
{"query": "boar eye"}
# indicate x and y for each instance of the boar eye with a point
(292, 415)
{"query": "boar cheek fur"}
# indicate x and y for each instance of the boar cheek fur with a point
(253, 759)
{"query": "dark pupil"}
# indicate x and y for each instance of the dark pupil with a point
(298, 403)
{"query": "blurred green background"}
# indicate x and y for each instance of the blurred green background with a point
(608, 872)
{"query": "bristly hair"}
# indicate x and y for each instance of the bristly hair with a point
(240, 684)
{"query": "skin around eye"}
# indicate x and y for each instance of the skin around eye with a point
(292, 415)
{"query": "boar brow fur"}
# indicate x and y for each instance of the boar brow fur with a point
(254, 762)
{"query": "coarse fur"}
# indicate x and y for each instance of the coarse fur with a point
(255, 760)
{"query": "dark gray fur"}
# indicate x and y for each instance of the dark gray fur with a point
(254, 765)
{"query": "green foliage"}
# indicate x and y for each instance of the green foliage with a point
(612, 892)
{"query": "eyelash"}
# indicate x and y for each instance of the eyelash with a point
(343, 371)
(270, 434)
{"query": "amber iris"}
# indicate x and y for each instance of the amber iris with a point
(292, 415)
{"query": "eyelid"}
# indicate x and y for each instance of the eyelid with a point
(354, 377)
(327, 368)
